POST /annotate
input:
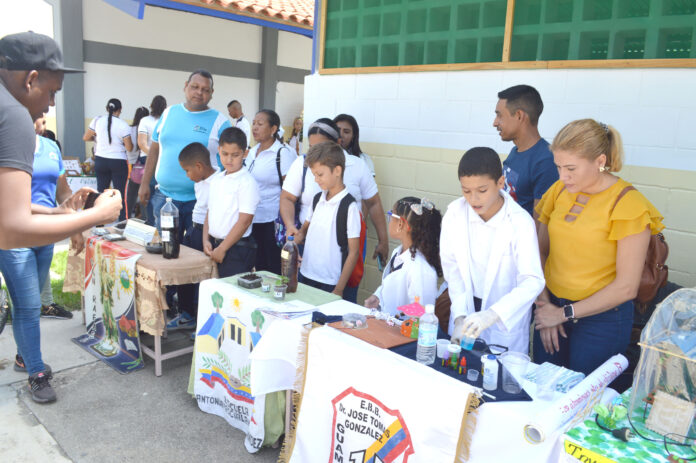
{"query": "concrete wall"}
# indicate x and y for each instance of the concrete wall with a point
(417, 125)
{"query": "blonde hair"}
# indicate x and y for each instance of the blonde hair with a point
(588, 139)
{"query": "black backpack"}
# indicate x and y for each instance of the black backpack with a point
(341, 223)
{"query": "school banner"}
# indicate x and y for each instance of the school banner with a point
(360, 404)
(229, 325)
(109, 298)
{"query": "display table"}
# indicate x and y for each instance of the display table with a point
(587, 442)
(153, 274)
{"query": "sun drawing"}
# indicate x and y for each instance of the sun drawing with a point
(236, 305)
(126, 279)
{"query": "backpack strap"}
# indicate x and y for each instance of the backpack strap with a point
(342, 226)
(304, 174)
(280, 176)
(316, 199)
(621, 195)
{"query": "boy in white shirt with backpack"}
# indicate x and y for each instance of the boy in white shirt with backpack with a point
(332, 227)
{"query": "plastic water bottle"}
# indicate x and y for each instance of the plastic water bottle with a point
(169, 223)
(288, 263)
(427, 336)
(490, 372)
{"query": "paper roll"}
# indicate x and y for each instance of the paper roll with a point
(574, 401)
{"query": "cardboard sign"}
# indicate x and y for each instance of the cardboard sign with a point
(72, 166)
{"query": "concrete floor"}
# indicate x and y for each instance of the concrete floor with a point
(103, 416)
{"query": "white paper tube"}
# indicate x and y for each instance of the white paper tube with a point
(574, 401)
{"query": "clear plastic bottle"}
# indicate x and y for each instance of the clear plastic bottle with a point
(427, 336)
(169, 223)
(288, 263)
(489, 365)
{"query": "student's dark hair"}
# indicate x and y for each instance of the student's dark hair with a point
(273, 119)
(326, 153)
(51, 136)
(526, 98)
(158, 105)
(480, 161)
(316, 128)
(425, 230)
(233, 102)
(201, 72)
(139, 114)
(195, 152)
(112, 106)
(234, 135)
(354, 147)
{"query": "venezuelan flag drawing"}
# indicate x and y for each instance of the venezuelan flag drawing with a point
(388, 451)
(214, 375)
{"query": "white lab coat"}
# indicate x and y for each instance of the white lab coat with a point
(416, 278)
(514, 277)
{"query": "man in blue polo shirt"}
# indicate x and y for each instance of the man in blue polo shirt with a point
(529, 169)
(180, 125)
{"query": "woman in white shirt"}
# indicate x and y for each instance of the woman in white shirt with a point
(137, 167)
(145, 130)
(300, 183)
(268, 162)
(350, 139)
(113, 141)
(414, 266)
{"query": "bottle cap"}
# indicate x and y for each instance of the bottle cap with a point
(454, 348)
(490, 357)
(291, 238)
(169, 200)
(429, 308)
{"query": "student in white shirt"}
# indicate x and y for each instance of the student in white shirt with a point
(414, 266)
(113, 140)
(295, 141)
(145, 130)
(268, 162)
(349, 139)
(238, 119)
(325, 264)
(195, 160)
(299, 183)
(227, 231)
(490, 257)
(135, 174)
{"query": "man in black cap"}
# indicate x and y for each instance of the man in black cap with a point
(31, 72)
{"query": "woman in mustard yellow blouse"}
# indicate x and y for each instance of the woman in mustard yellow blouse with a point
(593, 242)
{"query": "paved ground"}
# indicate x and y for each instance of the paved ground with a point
(103, 416)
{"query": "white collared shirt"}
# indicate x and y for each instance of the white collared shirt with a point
(322, 260)
(202, 190)
(481, 236)
(262, 166)
(406, 277)
(243, 124)
(357, 178)
(231, 194)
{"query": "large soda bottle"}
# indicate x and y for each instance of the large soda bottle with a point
(288, 263)
(427, 336)
(169, 221)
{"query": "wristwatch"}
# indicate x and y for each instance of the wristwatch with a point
(569, 312)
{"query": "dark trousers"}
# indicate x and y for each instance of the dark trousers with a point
(114, 171)
(188, 294)
(132, 199)
(239, 258)
(591, 340)
(268, 252)
(348, 293)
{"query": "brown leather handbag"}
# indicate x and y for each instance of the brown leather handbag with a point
(655, 272)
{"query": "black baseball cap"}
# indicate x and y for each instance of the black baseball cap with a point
(27, 51)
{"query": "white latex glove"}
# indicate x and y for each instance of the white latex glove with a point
(458, 330)
(478, 322)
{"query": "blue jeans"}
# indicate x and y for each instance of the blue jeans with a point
(591, 340)
(26, 271)
(185, 211)
(150, 220)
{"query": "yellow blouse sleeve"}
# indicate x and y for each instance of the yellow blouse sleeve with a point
(547, 203)
(632, 214)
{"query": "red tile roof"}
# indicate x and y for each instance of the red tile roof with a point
(295, 12)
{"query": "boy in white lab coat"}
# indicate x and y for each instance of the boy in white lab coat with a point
(490, 257)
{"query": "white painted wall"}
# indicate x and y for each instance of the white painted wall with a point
(289, 102)
(136, 87)
(178, 31)
(653, 109)
(294, 50)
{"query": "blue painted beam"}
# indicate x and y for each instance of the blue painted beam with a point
(174, 5)
(135, 8)
(315, 32)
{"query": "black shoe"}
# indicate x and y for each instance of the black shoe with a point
(55, 311)
(22, 368)
(41, 390)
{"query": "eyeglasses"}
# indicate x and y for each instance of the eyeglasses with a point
(418, 208)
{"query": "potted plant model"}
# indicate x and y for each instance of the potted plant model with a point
(280, 288)
(249, 281)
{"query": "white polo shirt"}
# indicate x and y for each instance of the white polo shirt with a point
(357, 178)
(202, 190)
(147, 126)
(243, 124)
(232, 194)
(119, 130)
(322, 258)
(262, 166)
